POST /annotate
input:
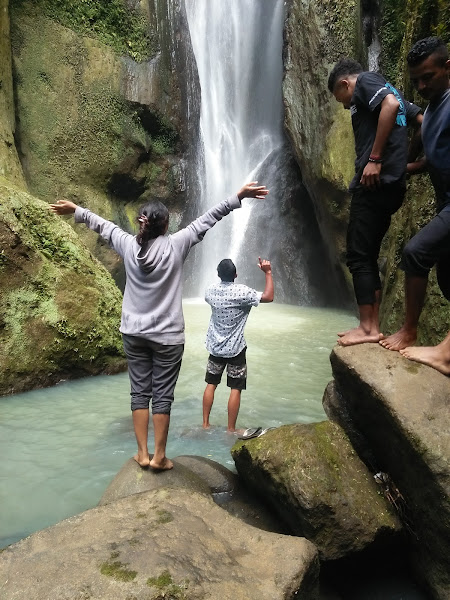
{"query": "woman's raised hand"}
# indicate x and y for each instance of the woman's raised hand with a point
(253, 190)
(63, 207)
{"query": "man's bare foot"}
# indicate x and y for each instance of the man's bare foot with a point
(403, 338)
(433, 356)
(142, 461)
(359, 336)
(163, 465)
(206, 426)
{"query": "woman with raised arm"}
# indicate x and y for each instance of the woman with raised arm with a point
(152, 323)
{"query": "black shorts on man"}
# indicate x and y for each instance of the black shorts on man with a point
(236, 370)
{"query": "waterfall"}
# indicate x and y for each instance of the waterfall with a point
(238, 51)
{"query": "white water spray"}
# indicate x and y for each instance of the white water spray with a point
(238, 49)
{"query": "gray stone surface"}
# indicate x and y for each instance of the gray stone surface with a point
(169, 543)
(132, 479)
(401, 409)
(198, 474)
(315, 481)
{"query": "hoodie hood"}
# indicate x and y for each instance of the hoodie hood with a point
(148, 258)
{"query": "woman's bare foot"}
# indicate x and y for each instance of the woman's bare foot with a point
(342, 333)
(206, 426)
(359, 336)
(403, 338)
(433, 356)
(142, 461)
(162, 465)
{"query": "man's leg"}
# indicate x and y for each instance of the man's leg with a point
(237, 381)
(430, 246)
(214, 370)
(166, 368)
(437, 357)
(208, 399)
(370, 217)
(234, 403)
(415, 289)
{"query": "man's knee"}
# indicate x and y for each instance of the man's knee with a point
(414, 262)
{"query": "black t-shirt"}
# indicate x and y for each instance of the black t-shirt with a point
(370, 90)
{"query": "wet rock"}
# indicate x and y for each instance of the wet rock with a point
(401, 409)
(168, 543)
(315, 481)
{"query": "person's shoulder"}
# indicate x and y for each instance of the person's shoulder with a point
(371, 77)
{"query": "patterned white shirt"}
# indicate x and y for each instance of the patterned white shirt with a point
(230, 305)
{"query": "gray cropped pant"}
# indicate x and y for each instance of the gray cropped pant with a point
(153, 369)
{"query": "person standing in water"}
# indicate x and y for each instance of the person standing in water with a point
(230, 306)
(152, 323)
(379, 120)
(429, 70)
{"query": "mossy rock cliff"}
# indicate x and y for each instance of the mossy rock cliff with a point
(403, 22)
(82, 131)
(59, 307)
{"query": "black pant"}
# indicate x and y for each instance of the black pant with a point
(429, 247)
(370, 217)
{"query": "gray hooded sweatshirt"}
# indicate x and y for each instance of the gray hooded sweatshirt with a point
(151, 305)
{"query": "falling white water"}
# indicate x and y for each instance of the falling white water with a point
(238, 50)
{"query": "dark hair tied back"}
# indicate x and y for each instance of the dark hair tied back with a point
(153, 219)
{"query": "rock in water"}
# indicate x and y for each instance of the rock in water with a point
(314, 479)
(168, 543)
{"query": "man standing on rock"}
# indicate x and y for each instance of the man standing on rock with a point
(429, 69)
(379, 120)
(230, 306)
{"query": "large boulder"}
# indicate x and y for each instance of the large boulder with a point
(199, 474)
(59, 307)
(168, 543)
(397, 412)
(314, 480)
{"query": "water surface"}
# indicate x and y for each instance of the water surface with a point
(62, 446)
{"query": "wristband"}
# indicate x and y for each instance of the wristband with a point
(375, 159)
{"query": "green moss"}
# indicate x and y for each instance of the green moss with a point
(113, 23)
(164, 516)
(161, 581)
(117, 570)
(403, 22)
(60, 310)
(164, 583)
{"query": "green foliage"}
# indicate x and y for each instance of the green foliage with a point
(112, 22)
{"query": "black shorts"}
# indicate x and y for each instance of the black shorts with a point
(236, 370)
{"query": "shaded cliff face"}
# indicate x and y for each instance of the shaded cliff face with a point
(316, 35)
(10, 166)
